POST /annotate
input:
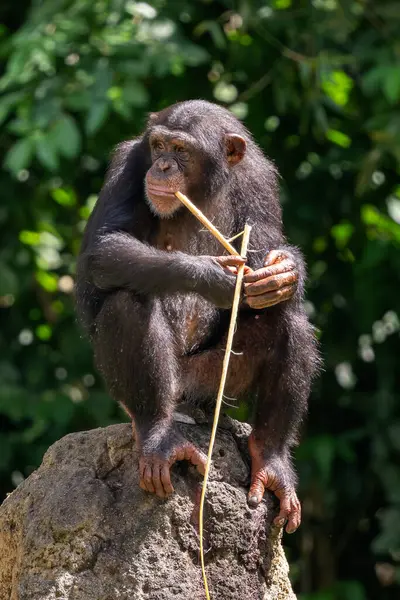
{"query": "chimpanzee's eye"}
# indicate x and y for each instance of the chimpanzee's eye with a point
(181, 150)
(157, 145)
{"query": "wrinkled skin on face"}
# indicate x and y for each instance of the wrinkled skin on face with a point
(173, 165)
(178, 163)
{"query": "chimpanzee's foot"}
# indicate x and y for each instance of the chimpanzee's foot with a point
(158, 452)
(275, 474)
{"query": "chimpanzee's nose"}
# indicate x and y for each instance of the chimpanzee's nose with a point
(163, 164)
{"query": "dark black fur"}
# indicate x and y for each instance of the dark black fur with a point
(136, 300)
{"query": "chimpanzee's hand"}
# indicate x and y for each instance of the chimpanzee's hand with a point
(273, 283)
(159, 450)
(219, 279)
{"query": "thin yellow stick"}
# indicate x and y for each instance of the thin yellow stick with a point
(231, 332)
(225, 365)
(203, 219)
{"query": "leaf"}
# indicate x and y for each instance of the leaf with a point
(384, 79)
(194, 55)
(8, 280)
(337, 86)
(46, 153)
(321, 118)
(135, 93)
(66, 137)
(19, 127)
(20, 155)
(7, 103)
(338, 137)
(123, 109)
(30, 238)
(142, 9)
(48, 281)
(372, 80)
(384, 226)
(97, 115)
(342, 233)
(64, 196)
(282, 4)
(43, 332)
(391, 84)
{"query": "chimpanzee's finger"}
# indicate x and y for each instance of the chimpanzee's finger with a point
(142, 467)
(270, 284)
(166, 479)
(289, 510)
(294, 519)
(270, 298)
(196, 457)
(148, 478)
(275, 256)
(257, 489)
(230, 261)
(264, 272)
(234, 270)
(157, 480)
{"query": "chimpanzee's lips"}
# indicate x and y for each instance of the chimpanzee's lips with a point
(160, 191)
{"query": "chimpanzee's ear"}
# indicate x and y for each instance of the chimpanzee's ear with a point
(151, 118)
(235, 148)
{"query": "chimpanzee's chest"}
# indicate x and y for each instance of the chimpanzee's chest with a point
(196, 323)
(185, 234)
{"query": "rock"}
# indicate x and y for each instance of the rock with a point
(80, 528)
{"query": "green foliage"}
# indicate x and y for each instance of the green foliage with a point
(318, 83)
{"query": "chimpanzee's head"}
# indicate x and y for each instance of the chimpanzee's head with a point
(194, 146)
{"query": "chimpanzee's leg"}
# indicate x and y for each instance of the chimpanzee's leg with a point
(284, 387)
(135, 352)
(275, 359)
(201, 372)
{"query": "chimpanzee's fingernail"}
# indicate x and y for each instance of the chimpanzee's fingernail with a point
(253, 501)
(280, 522)
(290, 529)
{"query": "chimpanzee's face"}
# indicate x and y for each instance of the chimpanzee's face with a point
(176, 166)
(196, 165)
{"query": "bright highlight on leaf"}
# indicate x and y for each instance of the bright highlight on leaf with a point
(30, 238)
(64, 196)
(48, 281)
(43, 332)
(379, 225)
(342, 233)
(338, 137)
(337, 86)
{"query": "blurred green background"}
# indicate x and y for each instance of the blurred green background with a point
(318, 83)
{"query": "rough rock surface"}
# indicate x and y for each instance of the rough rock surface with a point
(79, 528)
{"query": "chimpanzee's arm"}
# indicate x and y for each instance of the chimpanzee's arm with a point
(279, 270)
(120, 261)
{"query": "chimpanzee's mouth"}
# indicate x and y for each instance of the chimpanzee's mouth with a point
(162, 201)
(160, 191)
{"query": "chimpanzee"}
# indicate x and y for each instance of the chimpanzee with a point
(154, 293)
